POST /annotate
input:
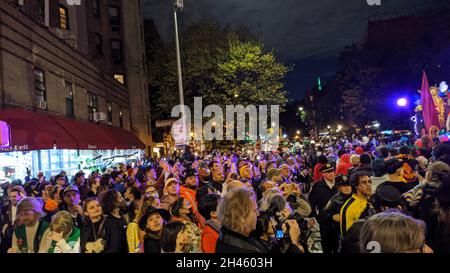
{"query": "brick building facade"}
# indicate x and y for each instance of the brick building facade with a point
(76, 61)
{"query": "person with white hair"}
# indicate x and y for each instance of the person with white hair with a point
(31, 231)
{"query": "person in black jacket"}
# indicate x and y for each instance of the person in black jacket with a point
(152, 222)
(330, 216)
(443, 225)
(8, 217)
(114, 205)
(238, 212)
(323, 190)
(320, 195)
(99, 233)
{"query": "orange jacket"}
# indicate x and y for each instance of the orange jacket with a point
(209, 239)
(189, 195)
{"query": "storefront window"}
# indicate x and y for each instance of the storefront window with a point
(14, 165)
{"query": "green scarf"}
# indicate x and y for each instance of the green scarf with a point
(71, 241)
(21, 235)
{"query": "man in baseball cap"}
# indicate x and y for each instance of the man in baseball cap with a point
(71, 203)
(171, 192)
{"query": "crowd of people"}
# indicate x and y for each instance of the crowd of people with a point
(331, 196)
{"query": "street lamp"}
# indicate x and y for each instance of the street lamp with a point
(298, 132)
(329, 127)
(300, 108)
(178, 7)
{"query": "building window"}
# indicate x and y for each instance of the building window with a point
(120, 78)
(114, 18)
(69, 99)
(64, 17)
(96, 8)
(92, 105)
(21, 5)
(98, 44)
(41, 11)
(39, 85)
(116, 52)
(109, 105)
(121, 118)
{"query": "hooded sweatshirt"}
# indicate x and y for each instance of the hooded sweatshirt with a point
(344, 165)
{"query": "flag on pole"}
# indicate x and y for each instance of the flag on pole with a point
(429, 113)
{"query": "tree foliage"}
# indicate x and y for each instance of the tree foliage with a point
(222, 65)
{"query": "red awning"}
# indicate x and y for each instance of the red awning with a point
(34, 131)
(124, 139)
(89, 136)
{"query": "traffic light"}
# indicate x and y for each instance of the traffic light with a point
(319, 84)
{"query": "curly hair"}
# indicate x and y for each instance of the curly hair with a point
(108, 200)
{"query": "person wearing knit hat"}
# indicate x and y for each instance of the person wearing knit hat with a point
(386, 197)
(379, 173)
(171, 193)
(31, 231)
(359, 150)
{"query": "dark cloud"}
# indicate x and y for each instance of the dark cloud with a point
(309, 33)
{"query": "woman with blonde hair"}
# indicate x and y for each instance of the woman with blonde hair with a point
(393, 232)
(64, 237)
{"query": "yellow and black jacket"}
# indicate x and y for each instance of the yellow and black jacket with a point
(354, 209)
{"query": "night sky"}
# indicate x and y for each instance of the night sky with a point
(306, 33)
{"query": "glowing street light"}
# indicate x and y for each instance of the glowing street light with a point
(329, 127)
(402, 102)
(298, 132)
(300, 108)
